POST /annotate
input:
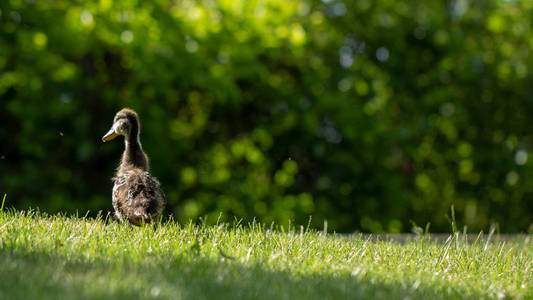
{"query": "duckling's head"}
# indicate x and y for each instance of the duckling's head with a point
(126, 123)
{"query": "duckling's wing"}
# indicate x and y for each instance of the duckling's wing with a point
(120, 191)
(138, 197)
(146, 195)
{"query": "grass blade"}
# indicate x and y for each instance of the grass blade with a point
(3, 201)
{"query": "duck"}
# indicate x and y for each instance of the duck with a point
(137, 195)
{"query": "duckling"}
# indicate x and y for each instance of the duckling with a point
(137, 195)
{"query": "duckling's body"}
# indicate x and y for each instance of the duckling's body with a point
(137, 195)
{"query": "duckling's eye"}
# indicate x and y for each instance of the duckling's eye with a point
(124, 127)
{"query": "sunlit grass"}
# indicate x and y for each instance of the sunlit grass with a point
(61, 257)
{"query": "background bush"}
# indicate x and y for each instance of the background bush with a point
(370, 114)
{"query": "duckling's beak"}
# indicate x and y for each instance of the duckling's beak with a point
(111, 134)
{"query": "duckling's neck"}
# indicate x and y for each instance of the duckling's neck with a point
(133, 156)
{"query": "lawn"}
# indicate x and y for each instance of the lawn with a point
(69, 257)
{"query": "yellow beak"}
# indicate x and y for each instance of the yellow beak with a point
(111, 134)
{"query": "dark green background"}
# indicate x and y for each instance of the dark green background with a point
(370, 114)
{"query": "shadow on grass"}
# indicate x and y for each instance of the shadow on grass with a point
(35, 275)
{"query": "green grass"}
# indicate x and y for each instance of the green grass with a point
(59, 257)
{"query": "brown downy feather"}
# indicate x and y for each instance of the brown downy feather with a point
(137, 197)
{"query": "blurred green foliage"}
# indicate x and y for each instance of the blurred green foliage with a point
(370, 114)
